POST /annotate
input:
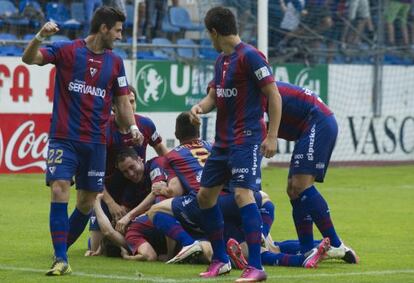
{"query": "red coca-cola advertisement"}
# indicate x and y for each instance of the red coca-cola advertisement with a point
(23, 142)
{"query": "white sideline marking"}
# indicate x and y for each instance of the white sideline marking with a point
(141, 277)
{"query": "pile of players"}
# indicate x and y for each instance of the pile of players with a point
(149, 209)
(197, 202)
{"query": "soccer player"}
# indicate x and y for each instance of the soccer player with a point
(142, 177)
(242, 82)
(89, 76)
(312, 125)
(115, 183)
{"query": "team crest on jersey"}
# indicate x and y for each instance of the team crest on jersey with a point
(52, 169)
(93, 71)
(152, 86)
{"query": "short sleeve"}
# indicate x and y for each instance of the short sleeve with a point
(121, 83)
(259, 68)
(148, 128)
(52, 53)
(157, 170)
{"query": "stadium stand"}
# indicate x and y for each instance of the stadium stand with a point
(187, 52)
(295, 34)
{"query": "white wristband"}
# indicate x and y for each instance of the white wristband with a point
(39, 37)
(133, 127)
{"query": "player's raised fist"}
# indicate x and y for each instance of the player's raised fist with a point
(48, 29)
(194, 114)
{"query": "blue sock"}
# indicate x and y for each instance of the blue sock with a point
(59, 226)
(172, 228)
(281, 259)
(77, 223)
(304, 226)
(267, 212)
(317, 207)
(291, 246)
(252, 223)
(213, 225)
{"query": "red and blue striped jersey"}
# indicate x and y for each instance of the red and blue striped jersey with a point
(85, 85)
(115, 140)
(240, 103)
(131, 194)
(186, 161)
(299, 106)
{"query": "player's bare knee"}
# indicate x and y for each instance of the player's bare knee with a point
(291, 192)
(243, 197)
(60, 191)
(265, 197)
(204, 199)
(85, 201)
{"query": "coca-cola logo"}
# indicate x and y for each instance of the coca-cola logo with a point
(24, 150)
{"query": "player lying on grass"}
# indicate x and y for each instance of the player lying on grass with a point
(141, 242)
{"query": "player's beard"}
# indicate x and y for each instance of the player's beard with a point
(108, 43)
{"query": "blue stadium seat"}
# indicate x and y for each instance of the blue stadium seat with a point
(9, 50)
(7, 8)
(57, 12)
(167, 27)
(8, 36)
(163, 52)
(147, 55)
(120, 52)
(208, 52)
(179, 17)
(28, 36)
(77, 12)
(187, 52)
(58, 37)
(10, 13)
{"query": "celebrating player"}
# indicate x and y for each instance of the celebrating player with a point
(88, 78)
(115, 183)
(311, 124)
(242, 82)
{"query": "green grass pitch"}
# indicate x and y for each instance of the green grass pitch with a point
(372, 209)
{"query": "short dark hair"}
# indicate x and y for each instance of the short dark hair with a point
(109, 249)
(222, 20)
(184, 129)
(124, 153)
(132, 89)
(106, 15)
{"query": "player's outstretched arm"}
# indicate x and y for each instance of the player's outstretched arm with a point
(204, 106)
(105, 225)
(268, 147)
(31, 54)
